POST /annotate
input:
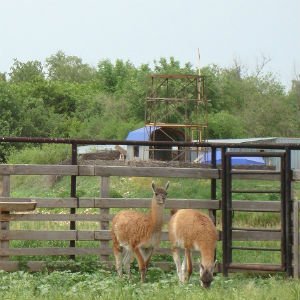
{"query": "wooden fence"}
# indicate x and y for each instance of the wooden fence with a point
(104, 203)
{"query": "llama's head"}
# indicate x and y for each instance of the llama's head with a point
(160, 194)
(206, 275)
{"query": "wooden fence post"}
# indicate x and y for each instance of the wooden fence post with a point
(104, 225)
(296, 253)
(5, 225)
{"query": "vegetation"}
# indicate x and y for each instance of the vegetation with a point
(65, 97)
(102, 284)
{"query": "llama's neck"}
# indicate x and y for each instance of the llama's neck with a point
(208, 254)
(156, 215)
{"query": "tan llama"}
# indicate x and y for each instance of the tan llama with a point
(135, 233)
(193, 230)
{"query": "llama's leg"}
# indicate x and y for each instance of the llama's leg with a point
(184, 268)
(118, 257)
(127, 260)
(189, 263)
(141, 262)
(176, 257)
(147, 254)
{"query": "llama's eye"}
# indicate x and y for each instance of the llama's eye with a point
(156, 194)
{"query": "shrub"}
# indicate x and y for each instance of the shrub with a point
(45, 154)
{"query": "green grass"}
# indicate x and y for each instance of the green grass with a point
(103, 284)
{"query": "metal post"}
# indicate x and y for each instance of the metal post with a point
(73, 194)
(289, 213)
(224, 214)
(229, 208)
(5, 225)
(213, 185)
(296, 239)
(283, 212)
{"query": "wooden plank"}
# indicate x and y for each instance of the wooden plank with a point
(85, 235)
(48, 235)
(17, 206)
(56, 217)
(157, 172)
(5, 225)
(296, 254)
(256, 206)
(86, 170)
(86, 202)
(62, 217)
(105, 235)
(35, 266)
(53, 251)
(38, 170)
(104, 225)
(45, 202)
(146, 202)
(43, 235)
(243, 205)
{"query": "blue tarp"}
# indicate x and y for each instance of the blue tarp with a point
(141, 134)
(241, 160)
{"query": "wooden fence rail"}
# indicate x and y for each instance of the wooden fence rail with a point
(104, 215)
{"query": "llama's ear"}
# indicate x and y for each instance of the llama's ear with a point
(201, 267)
(167, 185)
(153, 187)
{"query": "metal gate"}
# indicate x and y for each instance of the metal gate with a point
(285, 230)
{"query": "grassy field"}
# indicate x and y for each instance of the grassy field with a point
(102, 284)
(90, 281)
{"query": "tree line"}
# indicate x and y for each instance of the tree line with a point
(65, 97)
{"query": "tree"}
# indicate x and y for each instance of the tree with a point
(23, 72)
(3, 76)
(68, 68)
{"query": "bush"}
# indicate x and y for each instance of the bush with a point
(45, 154)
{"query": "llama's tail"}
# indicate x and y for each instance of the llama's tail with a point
(173, 211)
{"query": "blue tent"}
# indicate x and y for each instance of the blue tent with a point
(235, 160)
(141, 134)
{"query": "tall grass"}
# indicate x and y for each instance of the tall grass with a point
(44, 154)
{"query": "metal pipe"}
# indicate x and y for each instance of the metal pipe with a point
(256, 267)
(255, 248)
(278, 146)
(257, 191)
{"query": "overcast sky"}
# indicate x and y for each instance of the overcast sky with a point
(141, 31)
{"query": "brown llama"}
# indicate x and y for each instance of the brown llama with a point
(193, 230)
(135, 233)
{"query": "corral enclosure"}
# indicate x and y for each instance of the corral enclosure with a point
(78, 210)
